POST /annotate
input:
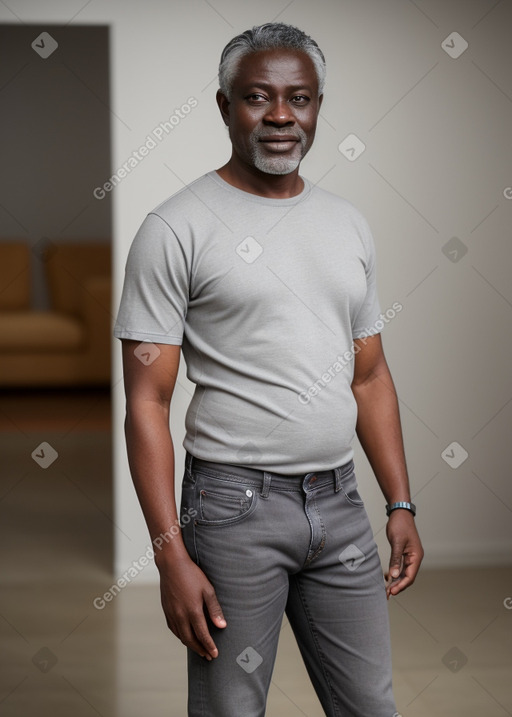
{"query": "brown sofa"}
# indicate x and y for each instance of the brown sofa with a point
(69, 345)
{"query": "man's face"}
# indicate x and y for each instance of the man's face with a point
(273, 110)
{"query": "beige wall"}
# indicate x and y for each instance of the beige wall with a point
(436, 166)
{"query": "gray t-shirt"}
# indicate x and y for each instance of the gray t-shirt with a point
(265, 297)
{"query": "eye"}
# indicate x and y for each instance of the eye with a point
(256, 98)
(300, 100)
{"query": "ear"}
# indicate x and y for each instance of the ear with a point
(223, 104)
(320, 100)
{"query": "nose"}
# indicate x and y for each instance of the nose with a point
(279, 114)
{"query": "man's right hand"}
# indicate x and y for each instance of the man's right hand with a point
(186, 592)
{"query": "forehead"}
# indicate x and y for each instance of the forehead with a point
(278, 68)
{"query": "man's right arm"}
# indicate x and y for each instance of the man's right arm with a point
(185, 590)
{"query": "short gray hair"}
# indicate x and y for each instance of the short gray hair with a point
(272, 35)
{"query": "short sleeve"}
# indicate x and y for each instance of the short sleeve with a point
(155, 292)
(366, 322)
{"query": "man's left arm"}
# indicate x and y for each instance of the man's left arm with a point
(380, 434)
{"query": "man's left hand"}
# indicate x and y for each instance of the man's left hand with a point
(406, 551)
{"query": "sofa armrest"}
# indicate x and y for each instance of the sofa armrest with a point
(96, 313)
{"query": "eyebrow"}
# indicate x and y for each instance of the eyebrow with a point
(292, 88)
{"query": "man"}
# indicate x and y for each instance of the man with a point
(268, 282)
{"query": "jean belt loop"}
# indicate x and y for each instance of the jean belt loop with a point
(337, 479)
(188, 462)
(267, 481)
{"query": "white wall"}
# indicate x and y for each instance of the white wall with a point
(436, 166)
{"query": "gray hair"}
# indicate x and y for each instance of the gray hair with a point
(270, 36)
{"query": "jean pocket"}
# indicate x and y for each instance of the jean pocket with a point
(350, 491)
(223, 502)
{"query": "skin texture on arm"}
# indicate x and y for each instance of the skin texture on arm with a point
(185, 590)
(379, 431)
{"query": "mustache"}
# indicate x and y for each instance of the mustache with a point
(297, 134)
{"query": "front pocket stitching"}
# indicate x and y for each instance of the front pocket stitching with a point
(355, 503)
(229, 521)
(234, 499)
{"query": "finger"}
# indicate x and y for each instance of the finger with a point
(397, 586)
(396, 560)
(214, 609)
(405, 580)
(390, 582)
(190, 640)
(186, 635)
(203, 636)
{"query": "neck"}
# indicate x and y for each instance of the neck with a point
(252, 180)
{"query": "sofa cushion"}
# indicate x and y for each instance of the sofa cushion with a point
(68, 265)
(40, 331)
(14, 275)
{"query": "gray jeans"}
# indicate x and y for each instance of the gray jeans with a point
(302, 545)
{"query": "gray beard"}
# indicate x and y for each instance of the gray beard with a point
(277, 164)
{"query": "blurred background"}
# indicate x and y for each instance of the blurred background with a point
(415, 131)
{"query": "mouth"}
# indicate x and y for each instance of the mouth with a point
(279, 143)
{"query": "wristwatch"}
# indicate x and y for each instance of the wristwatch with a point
(401, 504)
